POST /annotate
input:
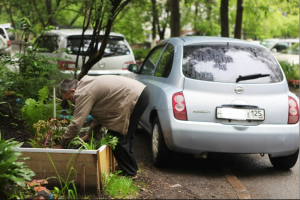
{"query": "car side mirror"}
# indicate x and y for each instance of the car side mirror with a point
(133, 68)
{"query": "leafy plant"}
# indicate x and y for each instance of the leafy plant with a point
(1, 114)
(12, 172)
(140, 54)
(106, 139)
(291, 71)
(48, 134)
(64, 184)
(33, 110)
(32, 70)
(119, 187)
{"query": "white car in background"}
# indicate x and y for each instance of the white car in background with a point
(291, 55)
(5, 45)
(118, 54)
(278, 45)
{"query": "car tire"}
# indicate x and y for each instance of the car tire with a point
(160, 151)
(285, 162)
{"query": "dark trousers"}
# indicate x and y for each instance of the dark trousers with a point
(124, 149)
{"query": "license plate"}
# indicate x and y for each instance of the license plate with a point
(240, 113)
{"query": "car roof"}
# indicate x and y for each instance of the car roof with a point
(207, 39)
(69, 32)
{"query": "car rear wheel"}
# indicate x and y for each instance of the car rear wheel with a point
(285, 162)
(160, 151)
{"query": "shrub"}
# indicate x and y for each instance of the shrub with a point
(291, 71)
(12, 172)
(33, 110)
(140, 54)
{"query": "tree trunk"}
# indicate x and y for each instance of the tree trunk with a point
(175, 18)
(224, 18)
(96, 56)
(154, 19)
(238, 19)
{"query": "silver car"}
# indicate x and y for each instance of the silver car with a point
(118, 54)
(212, 94)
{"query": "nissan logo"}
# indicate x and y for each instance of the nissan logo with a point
(239, 89)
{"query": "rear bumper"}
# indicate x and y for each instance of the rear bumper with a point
(197, 137)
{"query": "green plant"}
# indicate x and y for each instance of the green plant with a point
(32, 70)
(33, 110)
(48, 134)
(6, 103)
(140, 54)
(106, 139)
(64, 184)
(291, 71)
(12, 172)
(119, 187)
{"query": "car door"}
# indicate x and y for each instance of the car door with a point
(146, 77)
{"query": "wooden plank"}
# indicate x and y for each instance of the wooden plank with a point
(40, 163)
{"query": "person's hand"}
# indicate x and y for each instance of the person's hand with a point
(57, 147)
(86, 138)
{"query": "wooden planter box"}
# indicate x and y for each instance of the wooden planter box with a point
(89, 165)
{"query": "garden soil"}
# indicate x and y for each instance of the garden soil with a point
(154, 183)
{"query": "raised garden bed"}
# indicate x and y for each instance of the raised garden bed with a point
(89, 165)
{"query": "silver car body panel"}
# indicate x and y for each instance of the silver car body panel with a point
(202, 132)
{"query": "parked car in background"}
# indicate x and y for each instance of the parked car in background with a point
(291, 55)
(5, 45)
(7, 27)
(278, 45)
(118, 54)
(212, 94)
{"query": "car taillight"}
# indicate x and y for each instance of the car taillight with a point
(179, 108)
(126, 64)
(8, 43)
(293, 111)
(66, 65)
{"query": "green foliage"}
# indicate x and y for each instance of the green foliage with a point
(27, 72)
(291, 71)
(48, 134)
(119, 187)
(106, 139)
(33, 110)
(64, 184)
(12, 172)
(1, 114)
(140, 54)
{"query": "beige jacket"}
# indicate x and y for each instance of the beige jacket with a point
(109, 99)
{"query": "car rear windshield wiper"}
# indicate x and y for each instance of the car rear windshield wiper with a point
(253, 76)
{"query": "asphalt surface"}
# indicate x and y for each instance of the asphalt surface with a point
(220, 176)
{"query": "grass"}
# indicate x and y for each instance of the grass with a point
(120, 187)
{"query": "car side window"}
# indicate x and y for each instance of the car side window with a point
(281, 46)
(150, 63)
(2, 33)
(48, 43)
(165, 64)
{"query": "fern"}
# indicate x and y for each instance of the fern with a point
(33, 111)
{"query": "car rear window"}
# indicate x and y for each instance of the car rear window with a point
(222, 63)
(116, 46)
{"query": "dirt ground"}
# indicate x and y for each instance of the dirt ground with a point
(154, 183)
